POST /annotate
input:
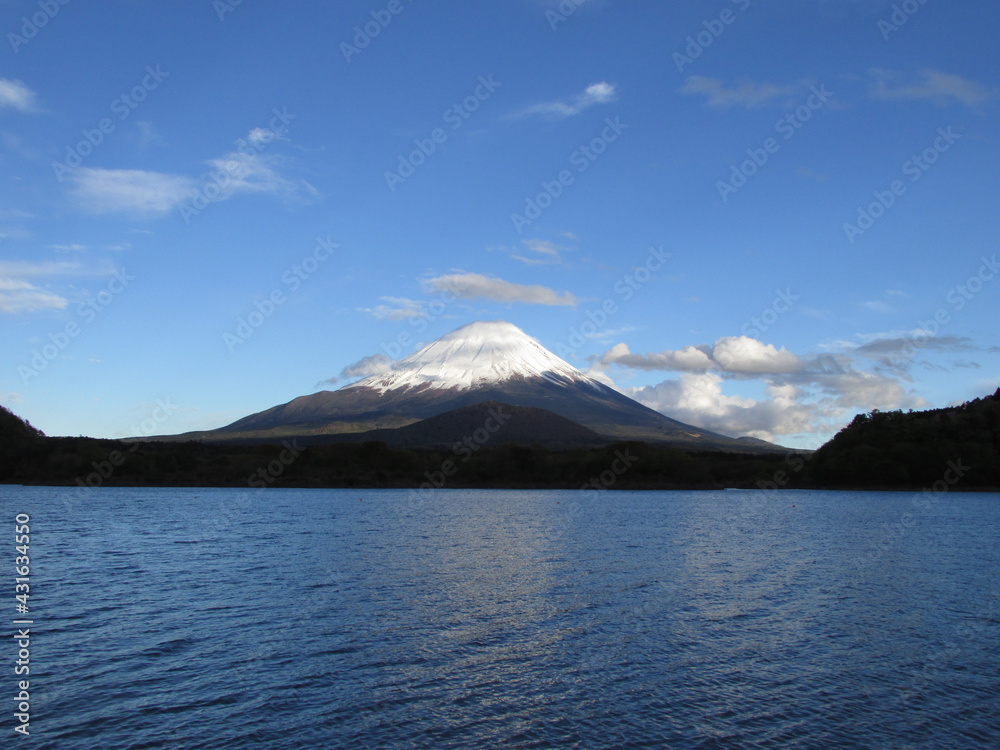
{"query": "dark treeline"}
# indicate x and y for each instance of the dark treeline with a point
(75, 461)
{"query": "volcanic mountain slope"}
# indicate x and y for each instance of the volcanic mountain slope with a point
(487, 422)
(482, 361)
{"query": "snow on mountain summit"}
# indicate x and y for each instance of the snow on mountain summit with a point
(477, 354)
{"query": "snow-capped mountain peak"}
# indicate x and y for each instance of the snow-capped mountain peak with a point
(477, 354)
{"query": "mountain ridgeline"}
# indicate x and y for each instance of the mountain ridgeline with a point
(478, 363)
(498, 445)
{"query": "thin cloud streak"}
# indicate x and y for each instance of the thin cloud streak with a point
(16, 95)
(478, 286)
(596, 93)
(930, 85)
(747, 94)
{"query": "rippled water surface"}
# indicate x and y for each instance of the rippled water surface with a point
(341, 619)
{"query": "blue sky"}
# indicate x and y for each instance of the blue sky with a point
(757, 217)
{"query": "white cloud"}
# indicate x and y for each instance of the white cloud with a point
(148, 135)
(17, 296)
(260, 137)
(129, 190)
(16, 95)
(803, 393)
(477, 286)
(144, 192)
(848, 388)
(877, 306)
(741, 354)
(929, 85)
(747, 94)
(398, 308)
(596, 93)
(697, 399)
(250, 173)
(376, 364)
(688, 359)
(28, 268)
(545, 253)
(730, 354)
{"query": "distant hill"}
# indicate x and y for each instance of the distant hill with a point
(14, 429)
(490, 422)
(18, 440)
(16, 434)
(896, 450)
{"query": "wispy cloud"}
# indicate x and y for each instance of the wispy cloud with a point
(129, 190)
(30, 268)
(147, 135)
(746, 94)
(877, 305)
(376, 364)
(252, 173)
(18, 295)
(543, 253)
(928, 85)
(596, 93)
(477, 286)
(396, 308)
(16, 95)
(149, 193)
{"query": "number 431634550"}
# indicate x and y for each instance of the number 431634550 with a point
(22, 562)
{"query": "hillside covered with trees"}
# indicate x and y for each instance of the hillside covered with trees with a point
(913, 450)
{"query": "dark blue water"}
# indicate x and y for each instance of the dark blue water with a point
(476, 619)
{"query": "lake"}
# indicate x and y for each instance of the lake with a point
(211, 618)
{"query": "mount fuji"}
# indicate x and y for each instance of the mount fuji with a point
(480, 362)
